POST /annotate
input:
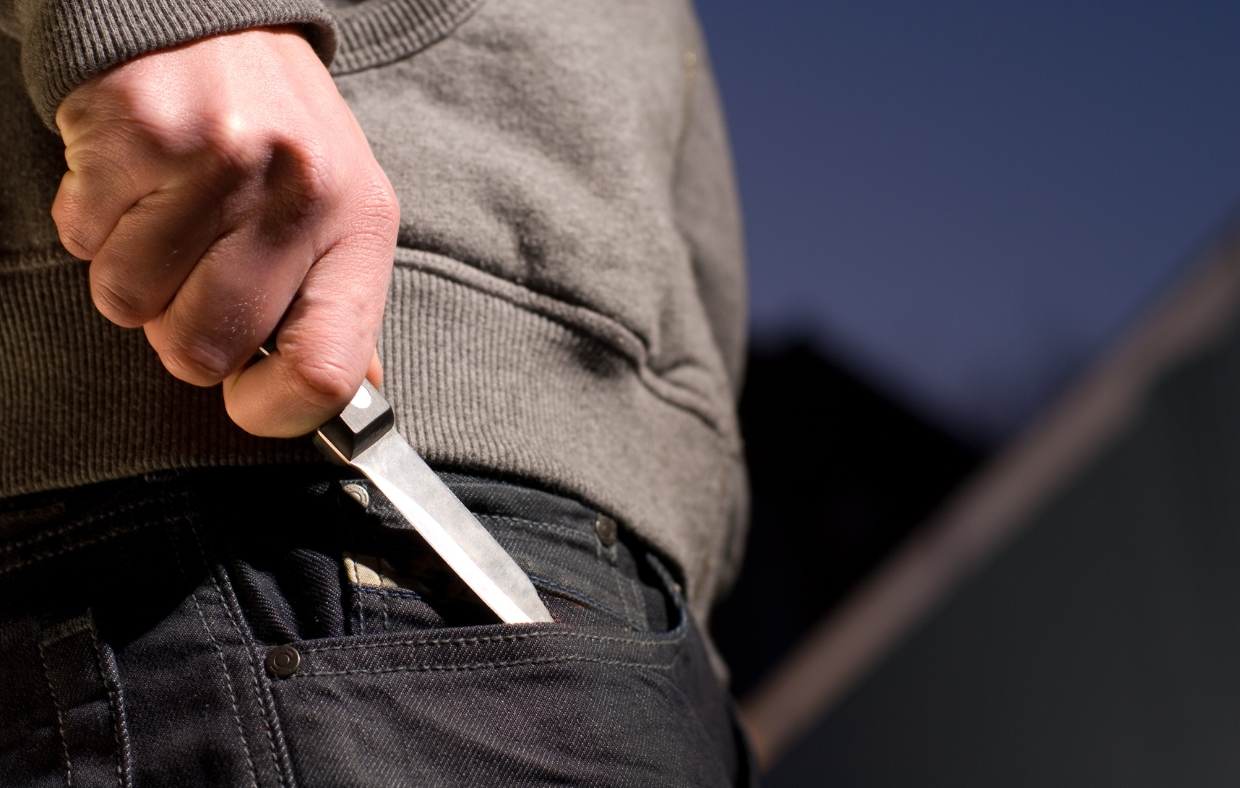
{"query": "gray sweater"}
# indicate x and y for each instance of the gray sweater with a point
(567, 305)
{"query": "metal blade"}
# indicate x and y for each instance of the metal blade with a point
(364, 437)
(451, 529)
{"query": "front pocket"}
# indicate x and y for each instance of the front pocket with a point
(331, 567)
(618, 692)
(505, 705)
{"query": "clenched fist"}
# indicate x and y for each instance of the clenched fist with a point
(221, 189)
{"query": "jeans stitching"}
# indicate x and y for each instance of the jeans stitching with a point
(40, 557)
(60, 718)
(630, 587)
(626, 589)
(560, 530)
(219, 652)
(620, 589)
(253, 670)
(258, 692)
(42, 536)
(232, 694)
(120, 725)
(553, 587)
(480, 640)
(584, 597)
(391, 593)
(448, 666)
(273, 724)
(280, 758)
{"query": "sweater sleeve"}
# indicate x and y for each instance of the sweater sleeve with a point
(66, 42)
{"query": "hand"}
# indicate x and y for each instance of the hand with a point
(223, 188)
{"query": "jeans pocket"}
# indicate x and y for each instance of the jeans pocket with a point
(544, 704)
(400, 688)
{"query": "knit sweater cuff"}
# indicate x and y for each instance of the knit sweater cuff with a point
(67, 42)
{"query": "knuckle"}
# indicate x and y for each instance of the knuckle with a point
(301, 184)
(197, 360)
(376, 216)
(234, 140)
(124, 309)
(80, 243)
(80, 229)
(313, 172)
(228, 149)
(379, 201)
(304, 176)
(96, 157)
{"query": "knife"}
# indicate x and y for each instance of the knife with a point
(364, 437)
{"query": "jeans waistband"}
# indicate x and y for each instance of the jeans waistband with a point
(567, 548)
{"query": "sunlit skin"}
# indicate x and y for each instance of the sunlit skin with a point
(221, 189)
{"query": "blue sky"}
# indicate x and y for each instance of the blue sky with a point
(967, 200)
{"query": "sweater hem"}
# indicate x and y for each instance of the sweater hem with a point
(478, 383)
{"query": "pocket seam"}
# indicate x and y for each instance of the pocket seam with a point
(66, 759)
(448, 666)
(577, 596)
(484, 639)
(555, 528)
(110, 674)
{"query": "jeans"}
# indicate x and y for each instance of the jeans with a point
(261, 627)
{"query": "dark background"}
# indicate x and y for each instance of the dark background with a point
(964, 200)
(1099, 650)
(952, 208)
(839, 474)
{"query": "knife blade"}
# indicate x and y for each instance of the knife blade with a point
(364, 437)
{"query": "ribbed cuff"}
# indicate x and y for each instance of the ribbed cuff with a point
(384, 31)
(70, 41)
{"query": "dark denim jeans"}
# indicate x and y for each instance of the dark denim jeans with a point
(146, 626)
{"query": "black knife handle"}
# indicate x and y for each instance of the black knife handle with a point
(366, 419)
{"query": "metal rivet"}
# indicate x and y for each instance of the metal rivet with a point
(282, 661)
(606, 529)
(358, 493)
